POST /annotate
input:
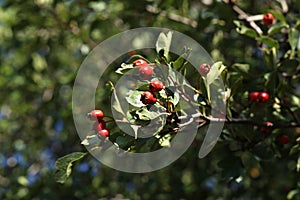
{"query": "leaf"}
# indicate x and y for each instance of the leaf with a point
(64, 166)
(279, 16)
(173, 97)
(133, 98)
(163, 43)
(276, 28)
(39, 63)
(143, 86)
(90, 139)
(124, 68)
(293, 193)
(293, 40)
(145, 114)
(215, 71)
(298, 164)
(165, 140)
(244, 68)
(124, 141)
(243, 30)
(116, 103)
(181, 61)
(268, 41)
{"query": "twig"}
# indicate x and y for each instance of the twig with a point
(237, 121)
(172, 16)
(284, 6)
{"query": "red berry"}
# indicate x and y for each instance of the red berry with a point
(146, 72)
(148, 98)
(156, 86)
(266, 129)
(140, 62)
(268, 19)
(283, 139)
(97, 126)
(204, 69)
(96, 115)
(262, 98)
(104, 132)
(253, 96)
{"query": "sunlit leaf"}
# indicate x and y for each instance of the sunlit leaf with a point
(64, 165)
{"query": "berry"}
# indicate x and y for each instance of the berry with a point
(140, 62)
(262, 98)
(267, 128)
(146, 72)
(148, 98)
(204, 69)
(96, 115)
(156, 86)
(104, 132)
(268, 19)
(99, 126)
(253, 96)
(283, 139)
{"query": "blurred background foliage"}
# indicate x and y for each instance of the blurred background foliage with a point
(42, 44)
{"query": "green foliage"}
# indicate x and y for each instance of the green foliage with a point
(43, 44)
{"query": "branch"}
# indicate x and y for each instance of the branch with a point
(172, 16)
(235, 121)
(284, 6)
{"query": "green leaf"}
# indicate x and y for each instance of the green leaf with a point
(244, 68)
(124, 68)
(279, 16)
(143, 86)
(39, 63)
(133, 97)
(293, 193)
(165, 141)
(243, 30)
(116, 103)
(268, 41)
(215, 71)
(276, 28)
(64, 166)
(293, 40)
(145, 114)
(163, 43)
(181, 61)
(124, 142)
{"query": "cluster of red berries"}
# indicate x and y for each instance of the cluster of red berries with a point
(145, 69)
(204, 69)
(99, 126)
(258, 97)
(268, 19)
(148, 97)
(146, 72)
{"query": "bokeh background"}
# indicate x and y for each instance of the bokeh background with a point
(43, 43)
